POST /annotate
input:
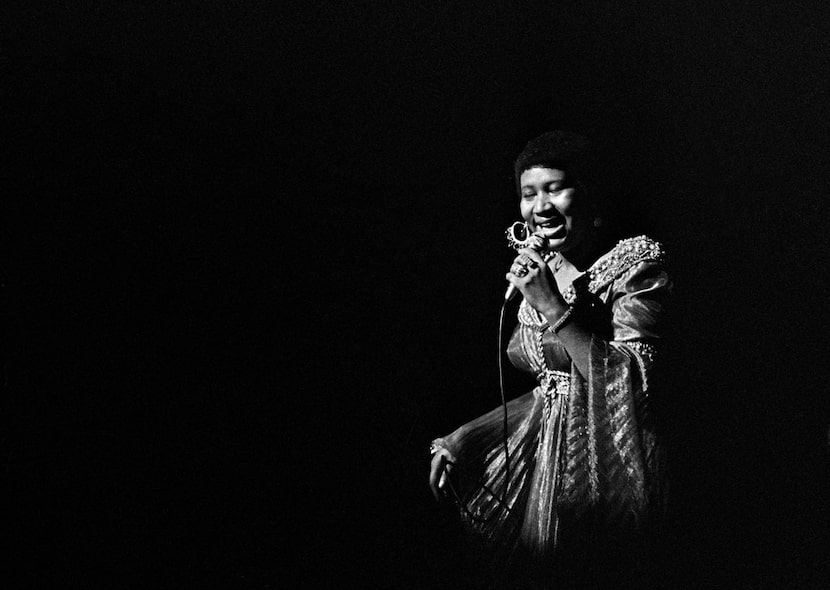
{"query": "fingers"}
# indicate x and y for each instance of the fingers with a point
(519, 269)
(534, 256)
(525, 260)
(530, 271)
(517, 280)
(524, 265)
(439, 469)
(436, 474)
(529, 259)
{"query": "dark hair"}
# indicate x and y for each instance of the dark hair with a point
(568, 151)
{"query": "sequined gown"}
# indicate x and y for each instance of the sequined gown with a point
(585, 468)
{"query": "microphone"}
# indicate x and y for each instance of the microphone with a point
(510, 293)
(520, 237)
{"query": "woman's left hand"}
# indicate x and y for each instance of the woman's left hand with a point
(537, 286)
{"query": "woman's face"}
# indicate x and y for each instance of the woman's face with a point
(554, 208)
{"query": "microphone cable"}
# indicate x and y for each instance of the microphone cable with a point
(504, 407)
(503, 500)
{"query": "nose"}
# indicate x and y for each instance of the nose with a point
(542, 203)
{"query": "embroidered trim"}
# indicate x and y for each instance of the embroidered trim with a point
(644, 349)
(529, 316)
(644, 357)
(624, 255)
(552, 384)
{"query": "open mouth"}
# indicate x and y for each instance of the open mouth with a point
(551, 227)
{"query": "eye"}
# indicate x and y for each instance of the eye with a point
(528, 196)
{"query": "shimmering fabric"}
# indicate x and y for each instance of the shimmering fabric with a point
(583, 456)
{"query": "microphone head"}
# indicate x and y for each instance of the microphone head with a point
(536, 242)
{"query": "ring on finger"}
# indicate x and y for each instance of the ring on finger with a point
(519, 270)
(526, 260)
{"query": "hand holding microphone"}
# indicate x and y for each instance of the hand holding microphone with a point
(520, 238)
(529, 272)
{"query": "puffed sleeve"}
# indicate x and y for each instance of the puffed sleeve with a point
(613, 461)
(638, 299)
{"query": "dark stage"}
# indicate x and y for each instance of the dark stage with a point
(256, 258)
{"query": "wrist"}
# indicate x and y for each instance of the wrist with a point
(554, 312)
(563, 319)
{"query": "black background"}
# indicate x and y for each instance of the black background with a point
(256, 259)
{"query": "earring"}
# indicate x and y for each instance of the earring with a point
(597, 221)
(518, 235)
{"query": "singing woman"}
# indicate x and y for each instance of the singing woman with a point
(571, 500)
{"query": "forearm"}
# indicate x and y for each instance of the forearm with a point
(574, 335)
